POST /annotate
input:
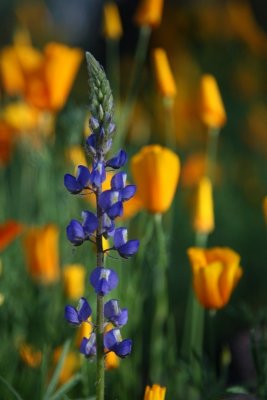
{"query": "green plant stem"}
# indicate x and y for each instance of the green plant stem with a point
(100, 361)
(160, 294)
(169, 133)
(212, 145)
(139, 59)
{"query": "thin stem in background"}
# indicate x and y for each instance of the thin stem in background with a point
(139, 59)
(169, 134)
(212, 145)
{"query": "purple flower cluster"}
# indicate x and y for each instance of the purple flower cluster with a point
(93, 227)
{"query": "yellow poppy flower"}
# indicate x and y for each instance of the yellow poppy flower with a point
(204, 216)
(216, 273)
(112, 21)
(165, 80)
(41, 250)
(155, 171)
(149, 12)
(155, 392)
(73, 280)
(212, 110)
(112, 361)
(84, 330)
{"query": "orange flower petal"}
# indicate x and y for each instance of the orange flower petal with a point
(8, 232)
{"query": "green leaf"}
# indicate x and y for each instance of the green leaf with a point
(66, 387)
(10, 388)
(54, 380)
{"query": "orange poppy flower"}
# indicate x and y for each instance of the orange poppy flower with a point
(74, 280)
(155, 392)
(30, 356)
(8, 232)
(149, 12)
(156, 171)
(204, 215)
(164, 77)
(41, 249)
(112, 21)
(216, 273)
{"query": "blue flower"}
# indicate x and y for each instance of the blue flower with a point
(113, 342)
(88, 346)
(75, 316)
(118, 160)
(110, 202)
(76, 185)
(77, 233)
(118, 182)
(108, 226)
(126, 248)
(91, 144)
(98, 174)
(103, 280)
(114, 314)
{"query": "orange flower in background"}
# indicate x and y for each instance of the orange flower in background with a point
(164, 77)
(71, 364)
(112, 21)
(41, 249)
(73, 280)
(155, 392)
(44, 79)
(204, 215)
(149, 12)
(264, 206)
(75, 154)
(216, 273)
(20, 116)
(212, 112)
(7, 141)
(8, 232)
(155, 170)
(193, 169)
(30, 356)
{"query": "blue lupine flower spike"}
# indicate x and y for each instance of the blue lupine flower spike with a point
(75, 316)
(88, 346)
(118, 160)
(126, 248)
(75, 232)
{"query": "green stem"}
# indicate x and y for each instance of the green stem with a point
(140, 55)
(100, 360)
(212, 152)
(169, 133)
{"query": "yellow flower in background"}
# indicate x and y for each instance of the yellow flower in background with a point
(204, 215)
(216, 273)
(164, 77)
(41, 250)
(112, 361)
(30, 356)
(155, 392)
(75, 154)
(71, 364)
(149, 12)
(21, 116)
(73, 280)
(155, 170)
(84, 330)
(212, 111)
(112, 21)
(44, 80)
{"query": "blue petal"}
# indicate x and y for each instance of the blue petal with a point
(118, 160)
(71, 184)
(88, 346)
(75, 232)
(90, 222)
(129, 248)
(93, 123)
(111, 309)
(71, 315)
(103, 280)
(124, 348)
(118, 181)
(128, 192)
(115, 211)
(108, 226)
(84, 310)
(122, 318)
(83, 176)
(111, 338)
(106, 198)
(120, 237)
